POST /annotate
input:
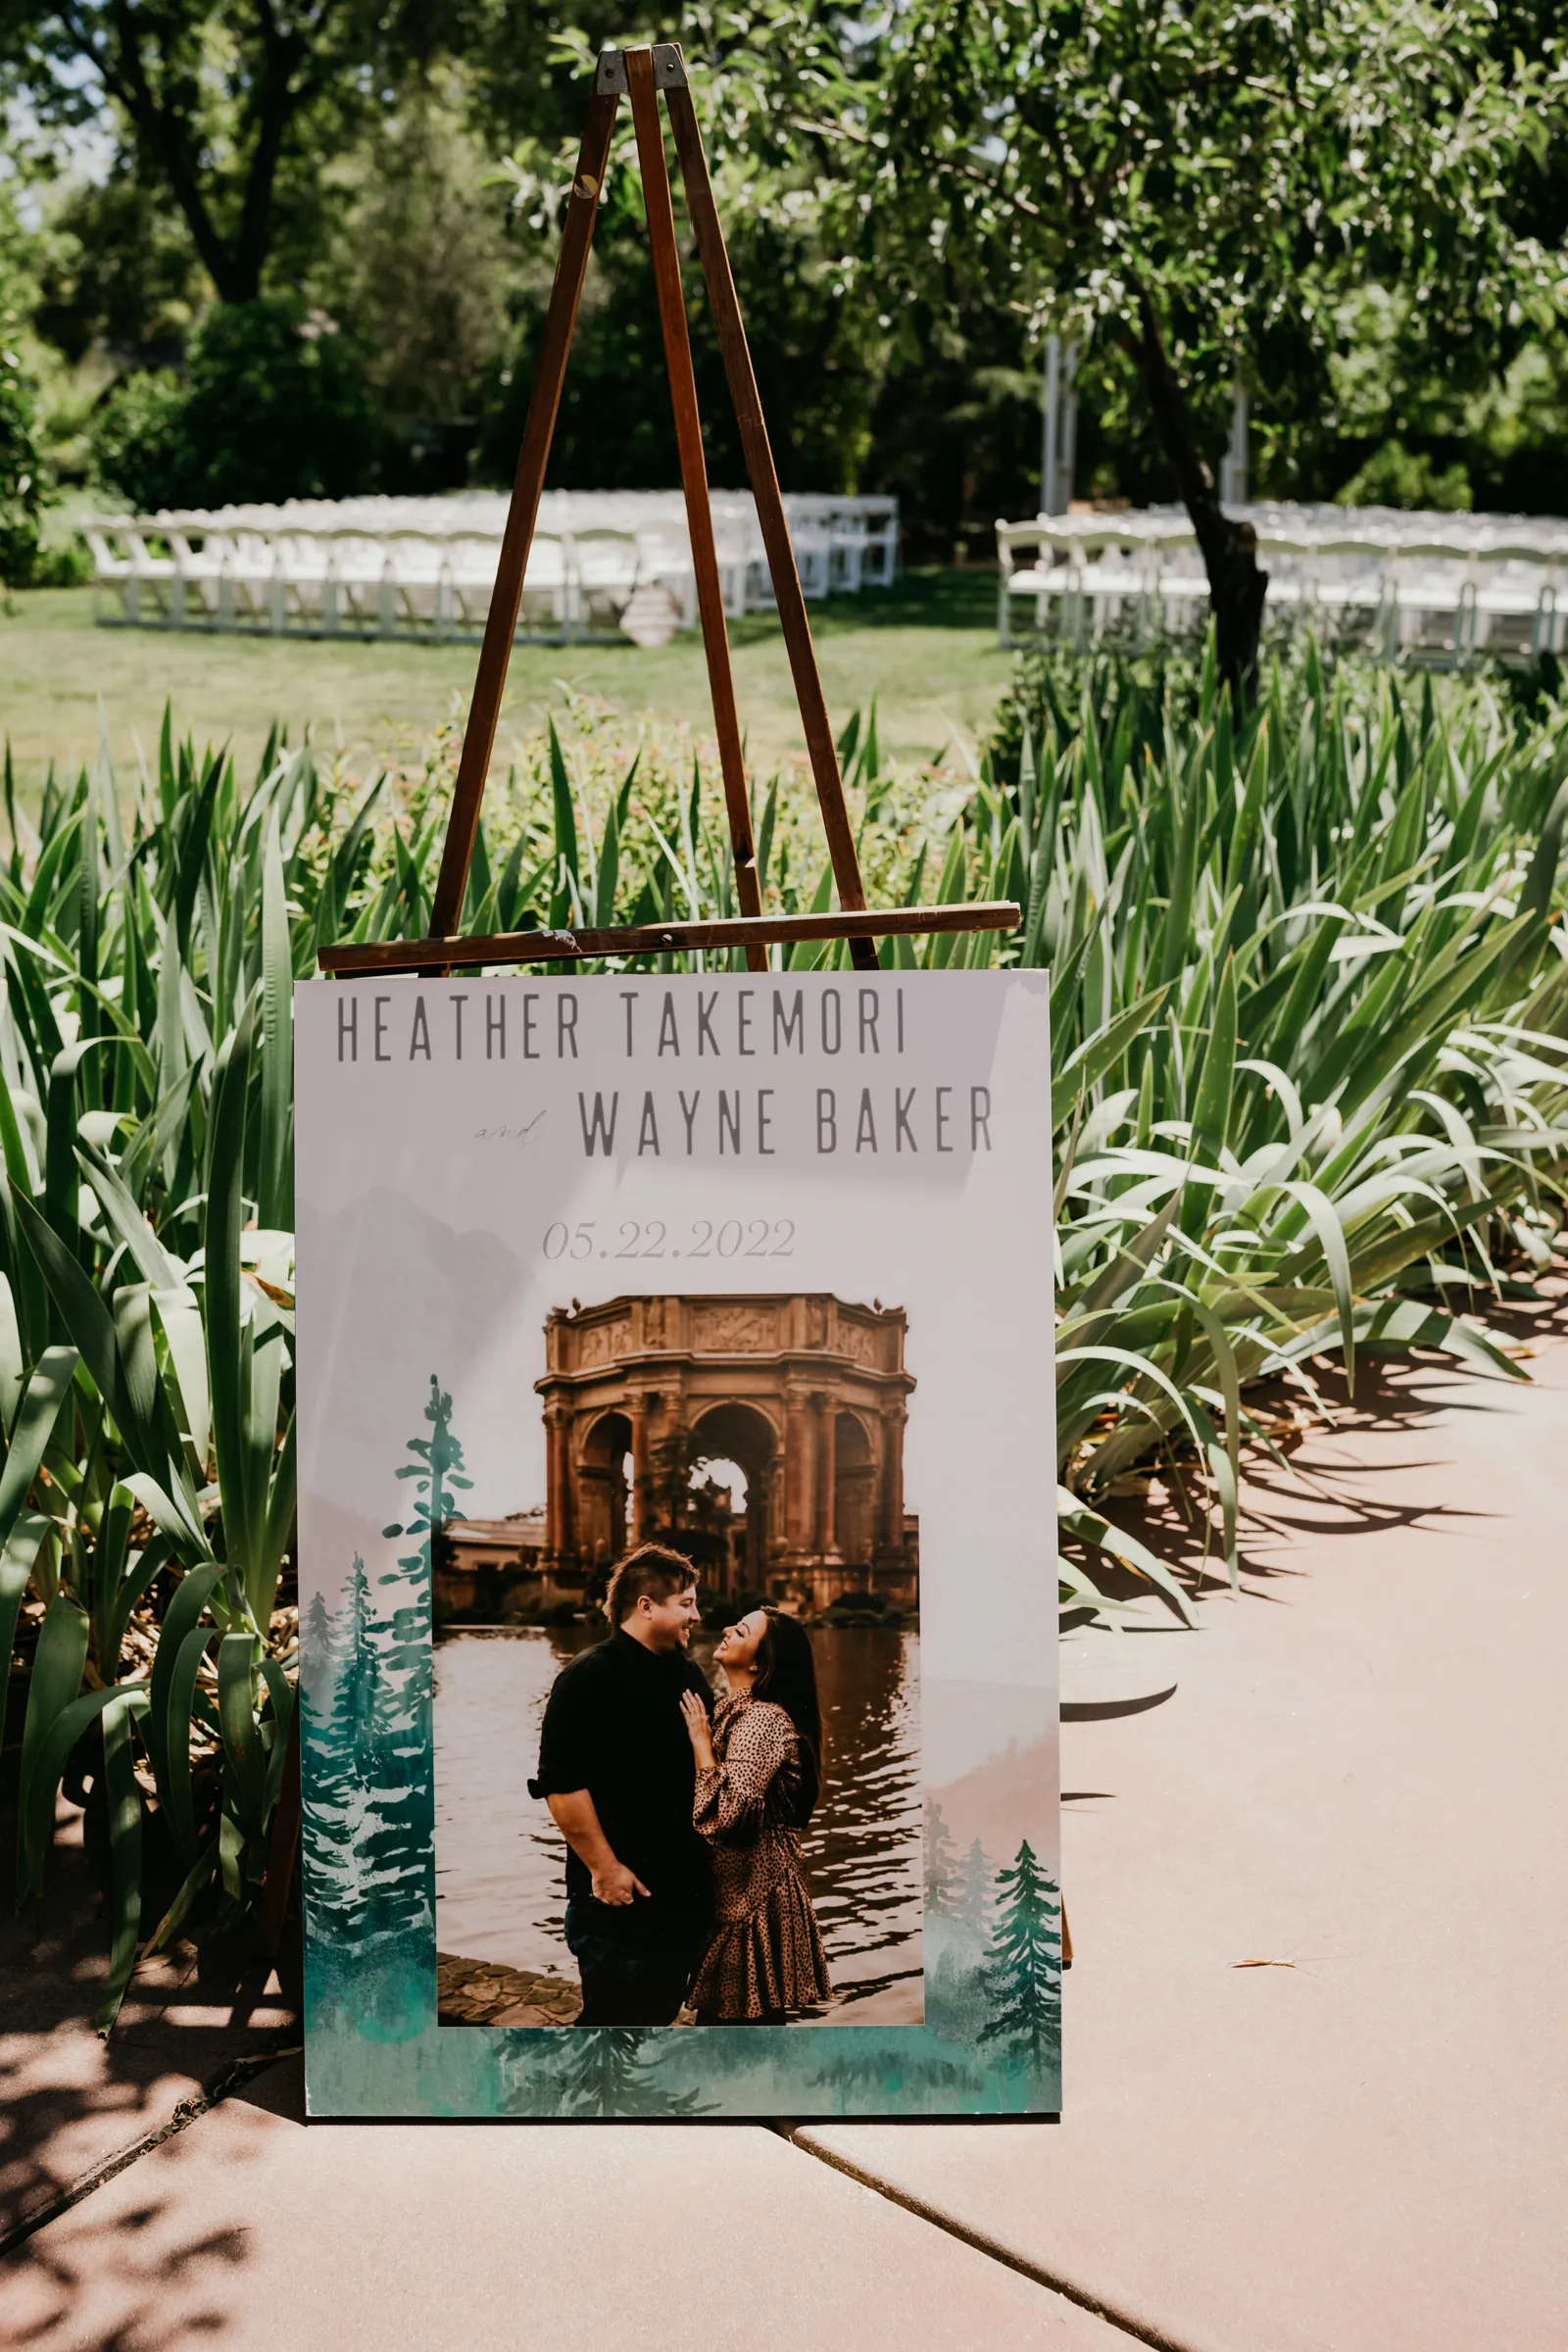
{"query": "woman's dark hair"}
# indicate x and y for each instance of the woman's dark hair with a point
(786, 1674)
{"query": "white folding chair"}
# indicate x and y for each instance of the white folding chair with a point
(602, 576)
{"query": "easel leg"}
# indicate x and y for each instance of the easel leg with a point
(694, 478)
(478, 742)
(821, 747)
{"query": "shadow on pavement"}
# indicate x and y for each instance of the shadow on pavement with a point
(71, 2104)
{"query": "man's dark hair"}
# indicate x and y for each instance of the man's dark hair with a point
(651, 1569)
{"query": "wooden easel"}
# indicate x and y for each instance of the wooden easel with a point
(642, 74)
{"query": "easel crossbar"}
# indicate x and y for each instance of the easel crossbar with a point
(383, 957)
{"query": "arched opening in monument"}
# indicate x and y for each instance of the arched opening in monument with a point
(736, 1438)
(606, 1495)
(854, 1493)
(722, 1479)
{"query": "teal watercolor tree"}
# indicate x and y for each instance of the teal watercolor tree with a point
(370, 1811)
(1023, 1961)
(607, 2069)
(940, 1856)
(325, 1786)
(957, 2000)
(437, 1471)
(349, 1716)
(869, 2060)
(971, 1889)
(397, 1839)
(319, 1658)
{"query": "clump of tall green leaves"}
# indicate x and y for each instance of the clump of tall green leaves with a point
(1309, 1018)
(1310, 1015)
(146, 1314)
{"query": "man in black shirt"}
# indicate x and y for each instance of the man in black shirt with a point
(616, 1768)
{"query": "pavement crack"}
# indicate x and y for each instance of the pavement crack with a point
(201, 2102)
(991, 2247)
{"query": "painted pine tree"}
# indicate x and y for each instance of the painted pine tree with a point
(1023, 1961)
(940, 1854)
(341, 1701)
(398, 1843)
(318, 1655)
(971, 1889)
(436, 1470)
(370, 1808)
(957, 1989)
(327, 1771)
(607, 2069)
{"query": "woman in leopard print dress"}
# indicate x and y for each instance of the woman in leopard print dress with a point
(759, 1768)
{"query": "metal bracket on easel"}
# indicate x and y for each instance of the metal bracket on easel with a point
(613, 80)
(642, 74)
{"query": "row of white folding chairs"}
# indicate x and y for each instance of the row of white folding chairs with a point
(1424, 601)
(360, 582)
(841, 545)
(246, 576)
(1288, 527)
(842, 542)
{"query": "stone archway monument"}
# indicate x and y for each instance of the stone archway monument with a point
(805, 1393)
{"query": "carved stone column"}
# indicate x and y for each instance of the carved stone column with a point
(558, 1531)
(894, 1418)
(800, 1471)
(642, 1466)
(826, 1475)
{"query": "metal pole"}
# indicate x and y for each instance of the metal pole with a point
(1050, 407)
(1068, 430)
(1233, 473)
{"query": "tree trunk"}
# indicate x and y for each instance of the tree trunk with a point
(1236, 587)
(174, 138)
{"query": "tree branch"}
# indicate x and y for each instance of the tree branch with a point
(165, 134)
(278, 102)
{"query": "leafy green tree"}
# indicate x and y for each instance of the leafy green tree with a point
(418, 266)
(1023, 1960)
(1198, 185)
(138, 446)
(273, 405)
(684, 1508)
(216, 102)
(115, 268)
(21, 484)
(816, 352)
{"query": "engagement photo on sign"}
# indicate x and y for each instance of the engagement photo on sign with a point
(685, 1884)
(678, 1544)
(597, 1711)
(760, 1438)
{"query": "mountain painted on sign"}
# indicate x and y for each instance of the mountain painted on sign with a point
(388, 1284)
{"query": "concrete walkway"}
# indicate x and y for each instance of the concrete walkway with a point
(1317, 2071)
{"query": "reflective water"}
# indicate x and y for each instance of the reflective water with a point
(501, 1862)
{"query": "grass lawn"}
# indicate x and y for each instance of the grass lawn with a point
(925, 648)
